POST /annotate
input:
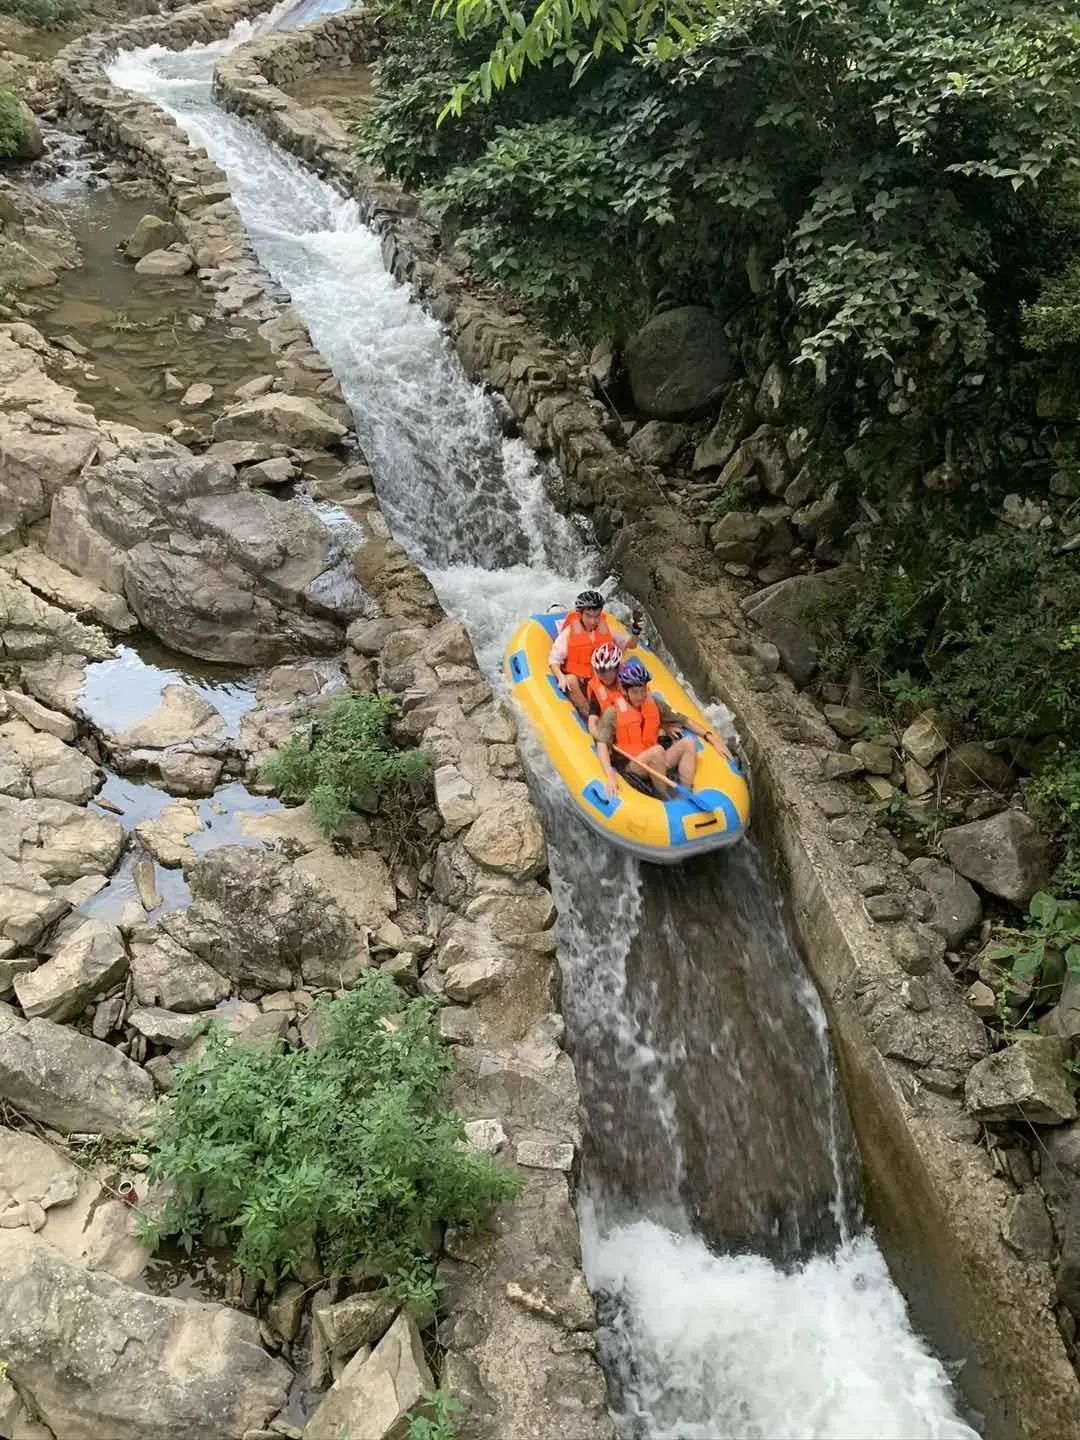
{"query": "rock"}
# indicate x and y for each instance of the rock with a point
(292, 419)
(360, 1320)
(165, 1027)
(374, 1395)
(68, 1081)
(164, 264)
(1067, 1279)
(286, 1310)
(1064, 1018)
(846, 721)
(507, 837)
(972, 769)
(1027, 1081)
(657, 442)
(678, 362)
(918, 780)
(181, 716)
(60, 841)
(28, 905)
(166, 836)
(50, 722)
(454, 799)
(197, 395)
(133, 1366)
(1006, 854)
(877, 759)
(738, 535)
(545, 1154)
(90, 962)
(917, 948)
(39, 628)
(779, 610)
(734, 423)
(168, 975)
(34, 764)
(957, 908)
(885, 908)
(185, 774)
(842, 767)
(261, 920)
(360, 883)
(150, 234)
(487, 1136)
(925, 739)
(145, 878)
(30, 1170)
(271, 472)
(1026, 1227)
(982, 1000)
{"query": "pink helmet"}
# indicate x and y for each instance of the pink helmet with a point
(606, 657)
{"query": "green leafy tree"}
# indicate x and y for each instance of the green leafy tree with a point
(345, 1153)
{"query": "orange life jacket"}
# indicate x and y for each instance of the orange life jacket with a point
(636, 730)
(580, 644)
(604, 695)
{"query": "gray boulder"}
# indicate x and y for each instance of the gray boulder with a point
(99, 1359)
(27, 904)
(151, 233)
(733, 424)
(1006, 854)
(1027, 1081)
(957, 908)
(64, 1079)
(376, 1393)
(168, 975)
(59, 841)
(293, 419)
(678, 362)
(658, 442)
(780, 610)
(165, 264)
(263, 921)
(35, 764)
(90, 962)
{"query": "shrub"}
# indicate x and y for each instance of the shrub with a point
(12, 125)
(344, 1153)
(344, 756)
(1057, 790)
(45, 14)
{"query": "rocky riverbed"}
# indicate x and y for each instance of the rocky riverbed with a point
(147, 881)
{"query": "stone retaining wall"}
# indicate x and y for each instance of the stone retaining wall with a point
(519, 1348)
(903, 1034)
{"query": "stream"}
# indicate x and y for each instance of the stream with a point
(740, 1293)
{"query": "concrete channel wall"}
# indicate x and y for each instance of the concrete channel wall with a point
(516, 1332)
(897, 1018)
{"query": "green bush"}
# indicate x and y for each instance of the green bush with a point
(45, 14)
(12, 125)
(1057, 790)
(345, 1154)
(345, 755)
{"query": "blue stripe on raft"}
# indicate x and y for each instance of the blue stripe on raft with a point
(596, 795)
(518, 665)
(735, 768)
(679, 811)
(551, 622)
(555, 686)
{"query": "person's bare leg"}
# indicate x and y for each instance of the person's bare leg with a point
(684, 753)
(655, 759)
(576, 691)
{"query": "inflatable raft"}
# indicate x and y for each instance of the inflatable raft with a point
(661, 831)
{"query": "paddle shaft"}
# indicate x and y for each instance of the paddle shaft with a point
(680, 788)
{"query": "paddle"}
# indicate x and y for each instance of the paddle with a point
(683, 790)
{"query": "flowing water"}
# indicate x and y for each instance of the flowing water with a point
(740, 1294)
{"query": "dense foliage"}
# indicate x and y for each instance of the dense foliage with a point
(12, 125)
(45, 14)
(345, 755)
(883, 197)
(344, 1154)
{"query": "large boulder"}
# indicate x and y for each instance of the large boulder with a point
(507, 836)
(212, 568)
(376, 1393)
(28, 905)
(59, 841)
(957, 908)
(68, 1081)
(181, 716)
(781, 611)
(90, 962)
(1006, 854)
(293, 419)
(733, 424)
(151, 233)
(165, 264)
(264, 922)
(1026, 1082)
(99, 1359)
(33, 629)
(164, 973)
(35, 764)
(678, 362)
(32, 1171)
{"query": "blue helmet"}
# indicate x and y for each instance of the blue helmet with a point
(634, 673)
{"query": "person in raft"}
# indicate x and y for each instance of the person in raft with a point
(582, 632)
(630, 735)
(603, 689)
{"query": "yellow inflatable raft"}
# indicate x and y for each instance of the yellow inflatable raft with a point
(664, 832)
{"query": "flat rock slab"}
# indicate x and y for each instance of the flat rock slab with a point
(68, 1081)
(28, 905)
(32, 1170)
(182, 715)
(35, 764)
(292, 419)
(99, 1359)
(88, 964)
(166, 837)
(72, 592)
(374, 1395)
(58, 840)
(1007, 854)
